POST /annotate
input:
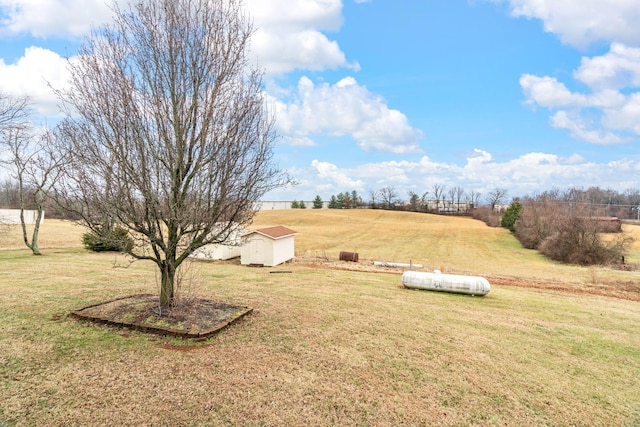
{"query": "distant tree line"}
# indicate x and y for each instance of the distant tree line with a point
(437, 199)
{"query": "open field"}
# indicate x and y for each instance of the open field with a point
(328, 346)
(454, 245)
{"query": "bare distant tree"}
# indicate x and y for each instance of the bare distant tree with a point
(496, 196)
(373, 198)
(13, 117)
(9, 197)
(452, 195)
(168, 129)
(389, 196)
(438, 194)
(424, 201)
(474, 198)
(37, 169)
(459, 194)
(30, 159)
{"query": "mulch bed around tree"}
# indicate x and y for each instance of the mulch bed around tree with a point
(193, 318)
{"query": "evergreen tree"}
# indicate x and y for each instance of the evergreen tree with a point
(355, 199)
(511, 215)
(317, 203)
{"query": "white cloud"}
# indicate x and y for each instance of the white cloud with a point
(579, 129)
(279, 52)
(610, 113)
(288, 35)
(31, 76)
(549, 92)
(627, 117)
(524, 175)
(580, 23)
(288, 32)
(296, 14)
(330, 172)
(619, 68)
(43, 18)
(346, 108)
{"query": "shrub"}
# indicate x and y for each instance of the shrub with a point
(537, 220)
(115, 240)
(511, 215)
(567, 231)
(577, 241)
(487, 215)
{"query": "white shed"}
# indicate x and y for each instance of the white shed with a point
(222, 251)
(268, 246)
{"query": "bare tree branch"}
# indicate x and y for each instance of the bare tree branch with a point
(168, 129)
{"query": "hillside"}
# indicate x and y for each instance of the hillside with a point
(457, 245)
(325, 346)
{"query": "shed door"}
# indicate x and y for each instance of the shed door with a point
(256, 248)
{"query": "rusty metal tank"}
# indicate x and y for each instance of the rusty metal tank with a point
(349, 256)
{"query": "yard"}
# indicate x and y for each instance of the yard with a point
(328, 342)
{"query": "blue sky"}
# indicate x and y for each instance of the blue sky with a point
(526, 95)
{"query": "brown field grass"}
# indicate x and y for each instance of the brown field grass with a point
(456, 245)
(324, 346)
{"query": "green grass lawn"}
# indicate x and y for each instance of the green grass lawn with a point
(322, 347)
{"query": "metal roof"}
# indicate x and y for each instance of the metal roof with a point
(276, 232)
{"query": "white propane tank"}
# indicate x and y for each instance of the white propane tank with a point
(436, 281)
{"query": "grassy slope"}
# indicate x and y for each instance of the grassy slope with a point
(322, 347)
(453, 244)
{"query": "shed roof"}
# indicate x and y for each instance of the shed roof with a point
(276, 232)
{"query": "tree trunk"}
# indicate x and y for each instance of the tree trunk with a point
(167, 284)
(36, 229)
(36, 232)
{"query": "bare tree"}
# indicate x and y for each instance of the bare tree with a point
(168, 129)
(496, 196)
(452, 196)
(474, 198)
(14, 111)
(388, 195)
(438, 194)
(9, 197)
(31, 161)
(373, 198)
(424, 202)
(13, 117)
(567, 228)
(37, 168)
(459, 194)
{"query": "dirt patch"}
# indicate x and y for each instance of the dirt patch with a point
(628, 290)
(195, 318)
